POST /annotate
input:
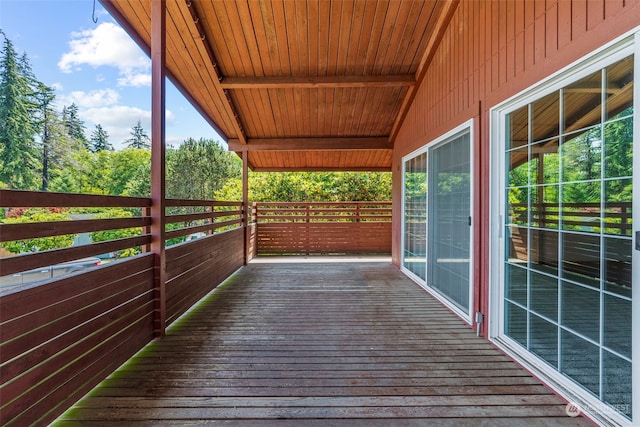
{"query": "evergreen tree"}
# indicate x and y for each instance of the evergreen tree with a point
(73, 124)
(139, 138)
(45, 123)
(100, 140)
(18, 149)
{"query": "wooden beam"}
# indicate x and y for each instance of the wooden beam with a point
(158, 171)
(311, 144)
(316, 82)
(441, 25)
(325, 169)
(207, 52)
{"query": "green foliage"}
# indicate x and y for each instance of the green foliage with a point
(124, 166)
(102, 236)
(310, 187)
(39, 244)
(139, 184)
(197, 169)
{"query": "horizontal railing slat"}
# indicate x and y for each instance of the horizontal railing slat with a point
(16, 264)
(38, 199)
(10, 232)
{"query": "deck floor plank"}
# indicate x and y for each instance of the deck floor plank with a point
(320, 344)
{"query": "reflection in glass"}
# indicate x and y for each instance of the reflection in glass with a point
(543, 250)
(581, 310)
(581, 206)
(618, 148)
(616, 383)
(547, 213)
(546, 116)
(582, 102)
(617, 266)
(547, 170)
(544, 340)
(617, 206)
(617, 324)
(516, 323)
(518, 128)
(619, 93)
(544, 295)
(581, 258)
(415, 212)
(518, 161)
(581, 156)
(580, 360)
(517, 245)
(516, 284)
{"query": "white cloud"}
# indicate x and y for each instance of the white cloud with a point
(106, 45)
(137, 80)
(92, 99)
(118, 120)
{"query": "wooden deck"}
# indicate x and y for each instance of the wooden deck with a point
(320, 344)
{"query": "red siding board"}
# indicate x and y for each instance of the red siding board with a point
(595, 13)
(539, 34)
(564, 23)
(551, 25)
(579, 19)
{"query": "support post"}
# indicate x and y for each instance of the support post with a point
(245, 204)
(158, 60)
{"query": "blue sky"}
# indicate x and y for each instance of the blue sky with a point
(95, 65)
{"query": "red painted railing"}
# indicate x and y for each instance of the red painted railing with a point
(330, 228)
(61, 336)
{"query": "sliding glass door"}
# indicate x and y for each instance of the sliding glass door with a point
(567, 254)
(437, 219)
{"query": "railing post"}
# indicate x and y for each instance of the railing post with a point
(158, 202)
(245, 203)
(146, 212)
(307, 239)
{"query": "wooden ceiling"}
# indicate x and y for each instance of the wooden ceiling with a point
(299, 84)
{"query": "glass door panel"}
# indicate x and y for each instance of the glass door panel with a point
(448, 263)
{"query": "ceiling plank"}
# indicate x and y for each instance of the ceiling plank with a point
(299, 82)
(311, 144)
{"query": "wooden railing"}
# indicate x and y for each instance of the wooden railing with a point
(60, 337)
(575, 216)
(581, 224)
(329, 228)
